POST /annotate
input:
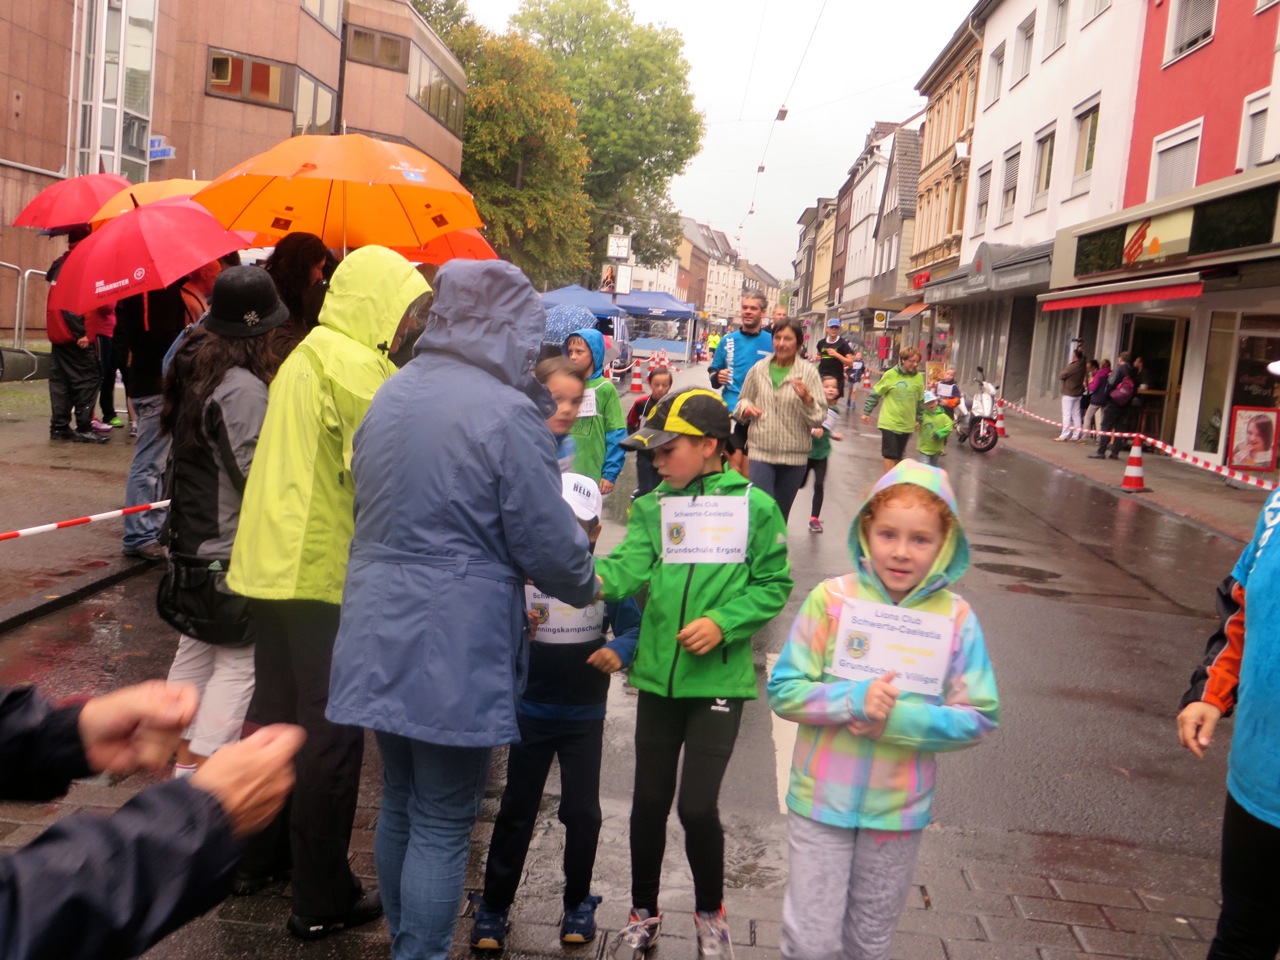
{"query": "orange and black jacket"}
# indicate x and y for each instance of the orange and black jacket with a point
(1217, 679)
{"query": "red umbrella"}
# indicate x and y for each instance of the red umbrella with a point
(68, 203)
(147, 248)
(466, 244)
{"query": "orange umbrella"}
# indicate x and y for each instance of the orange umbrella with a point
(349, 190)
(138, 194)
(69, 203)
(466, 244)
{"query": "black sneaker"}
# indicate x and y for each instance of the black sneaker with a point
(61, 433)
(366, 909)
(89, 436)
(247, 884)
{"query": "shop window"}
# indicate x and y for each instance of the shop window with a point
(1044, 169)
(1009, 191)
(242, 77)
(1191, 26)
(1174, 160)
(328, 12)
(995, 74)
(983, 200)
(1253, 130)
(377, 49)
(1026, 43)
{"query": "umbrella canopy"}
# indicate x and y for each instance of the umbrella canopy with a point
(600, 305)
(349, 190)
(144, 249)
(563, 319)
(69, 203)
(139, 194)
(468, 244)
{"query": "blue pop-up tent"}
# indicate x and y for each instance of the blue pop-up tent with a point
(656, 304)
(578, 296)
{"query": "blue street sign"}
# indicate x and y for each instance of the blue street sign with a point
(162, 153)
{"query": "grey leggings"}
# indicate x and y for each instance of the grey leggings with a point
(846, 890)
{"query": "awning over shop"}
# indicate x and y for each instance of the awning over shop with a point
(903, 318)
(655, 303)
(1178, 287)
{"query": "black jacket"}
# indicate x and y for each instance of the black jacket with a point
(97, 888)
(146, 326)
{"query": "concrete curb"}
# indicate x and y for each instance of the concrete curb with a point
(15, 614)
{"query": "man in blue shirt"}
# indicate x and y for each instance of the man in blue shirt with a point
(735, 355)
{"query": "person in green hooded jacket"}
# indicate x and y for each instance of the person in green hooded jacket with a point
(712, 550)
(935, 426)
(902, 390)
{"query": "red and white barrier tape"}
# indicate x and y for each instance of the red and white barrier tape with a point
(1195, 461)
(78, 521)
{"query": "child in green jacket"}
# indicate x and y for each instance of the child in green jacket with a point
(902, 390)
(712, 550)
(600, 425)
(935, 425)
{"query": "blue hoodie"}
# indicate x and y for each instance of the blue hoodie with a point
(600, 428)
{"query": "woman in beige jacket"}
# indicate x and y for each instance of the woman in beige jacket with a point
(782, 400)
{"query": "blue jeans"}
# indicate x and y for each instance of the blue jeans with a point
(782, 481)
(430, 798)
(146, 475)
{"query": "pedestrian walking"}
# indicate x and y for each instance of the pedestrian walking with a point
(782, 400)
(1117, 415)
(433, 643)
(821, 451)
(660, 382)
(902, 390)
(948, 392)
(1072, 378)
(600, 426)
(711, 601)
(290, 557)
(1095, 396)
(108, 368)
(834, 354)
(935, 427)
(561, 718)
(863, 769)
(215, 398)
(734, 356)
(74, 376)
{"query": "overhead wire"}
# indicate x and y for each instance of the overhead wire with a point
(764, 8)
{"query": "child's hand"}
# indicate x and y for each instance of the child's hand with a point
(816, 431)
(881, 697)
(700, 636)
(837, 436)
(533, 624)
(600, 588)
(606, 486)
(605, 660)
(1195, 726)
(871, 729)
(866, 418)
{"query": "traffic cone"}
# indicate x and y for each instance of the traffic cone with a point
(1133, 480)
(637, 381)
(662, 360)
(866, 381)
(653, 362)
(1000, 431)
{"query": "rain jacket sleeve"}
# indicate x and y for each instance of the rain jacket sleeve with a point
(799, 688)
(630, 565)
(769, 581)
(97, 888)
(970, 707)
(615, 426)
(1217, 679)
(624, 621)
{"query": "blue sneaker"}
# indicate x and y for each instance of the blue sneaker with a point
(488, 927)
(579, 923)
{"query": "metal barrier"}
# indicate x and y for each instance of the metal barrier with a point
(17, 307)
(20, 322)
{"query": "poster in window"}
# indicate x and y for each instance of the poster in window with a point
(1253, 438)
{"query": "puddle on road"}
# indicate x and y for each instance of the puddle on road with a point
(1028, 589)
(993, 548)
(1033, 574)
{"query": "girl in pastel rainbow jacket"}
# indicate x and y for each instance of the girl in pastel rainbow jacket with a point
(863, 770)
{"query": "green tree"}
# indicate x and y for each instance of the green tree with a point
(453, 23)
(630, 85)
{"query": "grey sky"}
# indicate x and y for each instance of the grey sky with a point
(861, 67)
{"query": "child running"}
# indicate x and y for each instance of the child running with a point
(935, 426)
(863, 770)
(599, 427)
(646, 473)
(822, 437)
(567, 386)
(561, 716)
(709, 592)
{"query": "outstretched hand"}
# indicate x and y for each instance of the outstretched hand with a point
(137, 727)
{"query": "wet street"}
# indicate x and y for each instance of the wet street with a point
(1095, 610)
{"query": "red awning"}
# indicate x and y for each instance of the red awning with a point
(1176, 291)
(909, 312)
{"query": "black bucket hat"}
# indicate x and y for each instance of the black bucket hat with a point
(244, 303)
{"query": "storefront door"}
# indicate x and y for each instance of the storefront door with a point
(1160, 342)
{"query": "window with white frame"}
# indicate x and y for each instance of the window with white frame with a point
(894, 243)
(995, 74)
(983, 199)
(1023, 52)
(1086, 139)
(1096, 7)
(1253, 130)
(1045, 142)
(1190, 25)
(1059, 14)
(1174, 159)
(1009, 187)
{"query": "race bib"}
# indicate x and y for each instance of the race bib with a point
(705, 529)
(588, 408)
(560, 623)
(874, 638)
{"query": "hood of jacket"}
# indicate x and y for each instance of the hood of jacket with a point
(369, 294)
(487, 315)
(594, 340)
(953, 558)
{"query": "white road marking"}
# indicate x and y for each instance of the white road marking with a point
(784, 743)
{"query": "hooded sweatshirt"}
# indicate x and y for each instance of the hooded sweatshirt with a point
(845, 780)
(597, 435)
(935, 424)
(296, 518)
(903, 396)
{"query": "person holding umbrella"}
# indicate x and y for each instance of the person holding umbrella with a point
(74, 377)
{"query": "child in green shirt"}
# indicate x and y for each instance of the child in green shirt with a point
(600, 426)
(822, 437)
(935, 425)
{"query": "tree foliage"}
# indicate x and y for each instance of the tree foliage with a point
(630, 85)
(522, 157)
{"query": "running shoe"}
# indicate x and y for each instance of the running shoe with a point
(712, 931)
(99, 426)
(488, 927)
(133, 429)
(116, 422)
(87, 436)
(815, 525)
(579, 923)
(639, 934)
